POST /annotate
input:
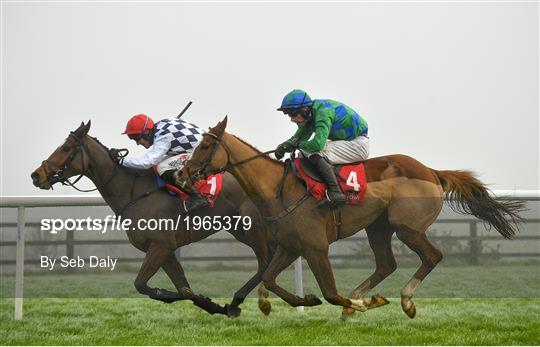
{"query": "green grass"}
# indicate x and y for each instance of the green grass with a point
(494, 305)
(146, 322)
(514, 281)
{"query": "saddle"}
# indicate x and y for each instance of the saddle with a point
(209, 187)
(311, 171)
(351, 178)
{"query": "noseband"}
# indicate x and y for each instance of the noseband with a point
(59, 175)
(202, 173)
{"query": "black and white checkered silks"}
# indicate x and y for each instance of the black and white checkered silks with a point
(183, 136)
(174, 140)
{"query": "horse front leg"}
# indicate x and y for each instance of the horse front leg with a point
(319, 264)
(153, 260)
(281, 260)
(263, 253)
(174, 270)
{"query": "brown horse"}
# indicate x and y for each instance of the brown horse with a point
(403, 196)
(134, 194)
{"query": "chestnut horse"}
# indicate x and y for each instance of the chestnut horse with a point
(403, 196)
(134, 194)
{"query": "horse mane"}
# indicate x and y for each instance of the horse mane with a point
(99, 142)
(140, 172)
(266, 156)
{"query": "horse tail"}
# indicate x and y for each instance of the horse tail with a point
(467, 195)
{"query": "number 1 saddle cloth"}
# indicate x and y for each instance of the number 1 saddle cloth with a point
(209, 187)
(351, 179)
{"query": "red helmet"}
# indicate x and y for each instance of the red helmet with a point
(138, 124)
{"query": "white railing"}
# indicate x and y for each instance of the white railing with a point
(23, 202)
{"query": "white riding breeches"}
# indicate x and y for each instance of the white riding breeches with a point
(343, 151)
(175, 162)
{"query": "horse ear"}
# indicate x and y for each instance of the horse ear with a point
(86, 128)
(82, 130)
(220, 127)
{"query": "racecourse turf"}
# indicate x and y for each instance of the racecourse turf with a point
(455, 306)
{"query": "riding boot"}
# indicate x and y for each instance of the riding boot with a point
(168, 176)
(196, 199)
(333, 193)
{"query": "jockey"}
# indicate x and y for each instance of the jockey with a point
(170, 141)
(339, 136)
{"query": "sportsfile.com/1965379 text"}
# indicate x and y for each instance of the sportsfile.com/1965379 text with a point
(114, 223)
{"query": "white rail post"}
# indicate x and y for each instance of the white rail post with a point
(19, 265)
(298, 281)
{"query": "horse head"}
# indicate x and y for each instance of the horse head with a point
(209, 157)
(67, 160)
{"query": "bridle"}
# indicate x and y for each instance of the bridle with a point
(203, 173)
(58, 176)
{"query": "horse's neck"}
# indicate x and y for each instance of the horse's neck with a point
(114, 183)
(260, 178)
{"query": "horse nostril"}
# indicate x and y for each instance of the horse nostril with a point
(35, 178)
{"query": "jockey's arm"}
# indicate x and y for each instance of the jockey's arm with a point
(153, 156)
(302, 133)
(323, 123)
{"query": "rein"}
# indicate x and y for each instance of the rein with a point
(203, 173)
(58, 176)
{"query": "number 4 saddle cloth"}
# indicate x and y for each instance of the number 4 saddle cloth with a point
(351, 179)
(209, 187)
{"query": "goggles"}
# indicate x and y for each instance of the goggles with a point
(135, 137)
(291, 112)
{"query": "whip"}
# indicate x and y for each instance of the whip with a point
(184, 110)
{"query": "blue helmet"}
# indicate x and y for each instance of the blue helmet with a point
(295, 99)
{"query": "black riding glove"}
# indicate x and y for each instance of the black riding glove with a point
(282, 149)
(115, 155)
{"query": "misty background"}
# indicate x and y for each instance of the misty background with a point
(452, 84)
(455, 85)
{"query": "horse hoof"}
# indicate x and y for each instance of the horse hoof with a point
(358, 305)
(346, 313)
(233, 311)
(215, 308)
(409, 308)
(265, 306)
(311, 300)
(378, 301)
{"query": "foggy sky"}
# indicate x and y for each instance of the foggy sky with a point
(454, 85)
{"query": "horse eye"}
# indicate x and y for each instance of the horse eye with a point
(205, 146)
(65, 148)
